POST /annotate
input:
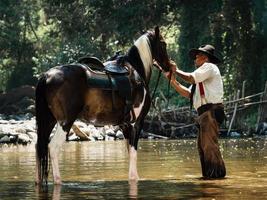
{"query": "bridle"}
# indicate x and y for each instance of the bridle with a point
(159, 67)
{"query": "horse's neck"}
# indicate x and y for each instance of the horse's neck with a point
(136, 61)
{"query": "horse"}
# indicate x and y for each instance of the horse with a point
(68, 92)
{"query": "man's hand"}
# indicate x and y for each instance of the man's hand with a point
(184, 75)
(170, 75)
(173, 66)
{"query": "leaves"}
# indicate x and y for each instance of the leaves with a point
(39, 34)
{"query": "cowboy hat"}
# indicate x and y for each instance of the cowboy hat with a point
(208, 50)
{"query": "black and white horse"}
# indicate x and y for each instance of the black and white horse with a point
(66, 93)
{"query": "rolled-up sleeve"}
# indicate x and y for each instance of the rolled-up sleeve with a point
(203, 72)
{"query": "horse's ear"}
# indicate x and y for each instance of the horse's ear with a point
(157, 31)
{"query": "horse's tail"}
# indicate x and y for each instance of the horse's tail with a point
(43, 121)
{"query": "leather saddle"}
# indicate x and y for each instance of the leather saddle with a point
(115, 75)
(113, 66)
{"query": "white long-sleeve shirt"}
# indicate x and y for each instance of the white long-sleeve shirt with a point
(211, 78)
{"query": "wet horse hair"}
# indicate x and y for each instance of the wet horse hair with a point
(64, 94)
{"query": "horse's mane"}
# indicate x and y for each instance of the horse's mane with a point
(143, 46)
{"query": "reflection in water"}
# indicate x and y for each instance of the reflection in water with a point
(133, 188)
(168, 169)
(56, 192)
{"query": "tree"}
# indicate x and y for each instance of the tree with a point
(17, 21)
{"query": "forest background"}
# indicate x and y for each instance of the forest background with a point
(36, 35)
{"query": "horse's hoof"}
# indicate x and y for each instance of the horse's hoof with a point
(37, 182)
(57, 181)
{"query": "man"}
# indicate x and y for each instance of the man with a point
(206, 95)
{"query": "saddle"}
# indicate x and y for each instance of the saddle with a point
(115, 75)
(116, 66)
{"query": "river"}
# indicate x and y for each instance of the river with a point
(169, 169)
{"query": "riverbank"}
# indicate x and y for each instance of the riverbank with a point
(21, 129)
(17, 123)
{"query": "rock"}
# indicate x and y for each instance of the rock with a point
(73, 137)
(79, 132)
(234, 134)
(92, 139)
(18, 101)
(119, 135)
(262, 128)
(109, 138)
(20, 130)
(24, 139)
(108, 130)
(5, 139)
(13, 138)
(32, 135)
(3, 121)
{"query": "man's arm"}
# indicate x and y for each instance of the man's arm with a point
(182, 90)
(185, 76)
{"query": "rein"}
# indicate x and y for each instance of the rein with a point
(156, 86)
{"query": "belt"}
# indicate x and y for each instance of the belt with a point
(207, 107)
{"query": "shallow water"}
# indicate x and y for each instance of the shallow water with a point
(169, 169)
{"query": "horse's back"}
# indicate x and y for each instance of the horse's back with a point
(72, 73)
(65, 90)
(70, 94)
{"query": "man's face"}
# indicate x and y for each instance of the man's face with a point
(200, 59)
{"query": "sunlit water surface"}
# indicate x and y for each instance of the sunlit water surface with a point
(169, 169)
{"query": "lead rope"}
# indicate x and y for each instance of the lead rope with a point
(169, 86)
(168, 92)
(156, 86)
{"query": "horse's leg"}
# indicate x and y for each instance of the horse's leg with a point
(133, 174)
(134, 134)
(132, 150)
(54, 146)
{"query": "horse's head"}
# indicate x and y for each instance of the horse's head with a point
(159, 48)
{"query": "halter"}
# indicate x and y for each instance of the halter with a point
(157, 54)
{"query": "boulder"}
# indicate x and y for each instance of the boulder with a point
(262, 128)
(18, 101)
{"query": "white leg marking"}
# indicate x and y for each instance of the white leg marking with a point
(54, 147)
(138, 109)
(133, 175)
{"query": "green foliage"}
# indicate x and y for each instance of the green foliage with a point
(196, 17)
(16, 22)
(39, 34)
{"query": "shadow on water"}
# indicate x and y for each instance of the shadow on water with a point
(146, 189)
